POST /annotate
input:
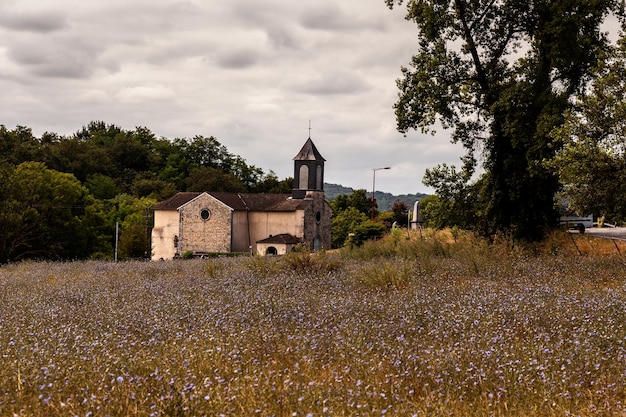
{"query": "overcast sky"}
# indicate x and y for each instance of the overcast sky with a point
(250, 73)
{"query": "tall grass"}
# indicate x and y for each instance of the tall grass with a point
(398, 327)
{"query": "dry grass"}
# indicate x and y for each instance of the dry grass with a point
(424, 327)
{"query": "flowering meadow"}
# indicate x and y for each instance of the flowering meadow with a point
(419, 327)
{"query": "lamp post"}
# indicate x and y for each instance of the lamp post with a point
(374, 187)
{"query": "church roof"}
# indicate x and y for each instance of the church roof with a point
(284, 238)
(259, 202)
(173, 203)
(239, 201)
(309, 153)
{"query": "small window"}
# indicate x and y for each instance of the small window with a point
(318, 216)
(205, 214)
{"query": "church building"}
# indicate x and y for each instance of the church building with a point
(262, 224)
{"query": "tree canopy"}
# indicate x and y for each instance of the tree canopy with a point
(43, 213)
(501, 73)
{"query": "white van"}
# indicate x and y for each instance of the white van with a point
(573, 221)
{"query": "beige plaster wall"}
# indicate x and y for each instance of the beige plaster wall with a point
(281, 249)
(163, 233)
(199, 235)
(262, 226)
(240, 232)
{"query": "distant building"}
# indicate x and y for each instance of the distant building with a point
(217, 222)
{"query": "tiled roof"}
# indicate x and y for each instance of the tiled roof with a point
(176, 201)
(309, 153)
(259, 202)
(284, 238)
(240, 201)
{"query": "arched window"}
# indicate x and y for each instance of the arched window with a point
(318, 178)
(304, 178)
(271, 251)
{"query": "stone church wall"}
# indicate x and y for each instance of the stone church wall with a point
(317, 221)
(202, 232)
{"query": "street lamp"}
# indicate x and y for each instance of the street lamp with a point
(374, 187)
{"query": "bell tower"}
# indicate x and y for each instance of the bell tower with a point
(308, 173)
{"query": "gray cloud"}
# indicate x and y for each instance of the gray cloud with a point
(282, 38)
(237, 58)
(329, 83)
(40, 22)
(250, 73)
(331, 17)
(326, 18)
(55, 57)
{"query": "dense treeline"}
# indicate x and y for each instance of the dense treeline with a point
(60, 196)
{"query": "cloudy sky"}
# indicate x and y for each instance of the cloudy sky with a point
(250, 73)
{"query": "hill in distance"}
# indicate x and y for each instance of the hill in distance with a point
(384, 200)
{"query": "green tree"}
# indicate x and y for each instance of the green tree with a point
(76, 156)
(202, 154)
(400, 213)
(435, 211)
(176, 170)
(270, 183)
(46, 214)
(18, 145)
(146, 184)
(357, 199)
(213, 179)
(501, 73)
(457, 200)
(249, 175)
(135, 219)
(345, 223)
(97, 231)
(592, 163)
(102, 186)
(130, 151)
(367, 230)
(208, 152)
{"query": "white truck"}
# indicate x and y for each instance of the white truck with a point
(574, 221)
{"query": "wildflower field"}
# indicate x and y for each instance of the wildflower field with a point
(419, 327)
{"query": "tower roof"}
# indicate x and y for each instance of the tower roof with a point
(309, 153)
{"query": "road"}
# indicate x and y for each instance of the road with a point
(609, 232)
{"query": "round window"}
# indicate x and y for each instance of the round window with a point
(205, 214)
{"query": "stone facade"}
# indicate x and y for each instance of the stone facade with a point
(205, 226)
(317, 221)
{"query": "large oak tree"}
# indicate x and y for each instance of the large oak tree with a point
(501, 73)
